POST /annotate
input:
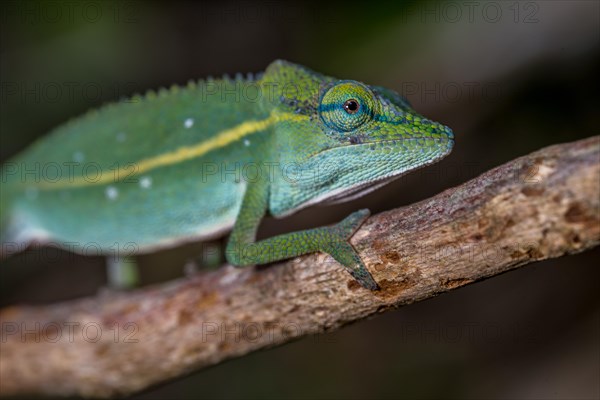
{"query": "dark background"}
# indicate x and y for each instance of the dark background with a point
(508, 77)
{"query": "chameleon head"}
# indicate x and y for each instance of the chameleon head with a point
(355, 138)
(379, 137)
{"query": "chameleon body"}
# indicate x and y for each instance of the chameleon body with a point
(194, 162)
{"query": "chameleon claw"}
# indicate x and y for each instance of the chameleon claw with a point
(363, 276)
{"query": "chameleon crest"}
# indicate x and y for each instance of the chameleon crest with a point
(194, 162)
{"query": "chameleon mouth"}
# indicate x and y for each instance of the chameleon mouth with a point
(439, 139)
(359, 190)
(335, 158)
(442, 143)
(443, 146)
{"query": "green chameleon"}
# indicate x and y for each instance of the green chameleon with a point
(194, 162)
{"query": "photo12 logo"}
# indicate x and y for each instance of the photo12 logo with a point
(453, 12)
(71, 92)
(69, 331)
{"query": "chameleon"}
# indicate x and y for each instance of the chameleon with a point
(196, 161)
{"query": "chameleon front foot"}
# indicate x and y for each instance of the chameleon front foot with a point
(242, 249)
(342, 251)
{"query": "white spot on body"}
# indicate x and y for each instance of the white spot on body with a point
(188, 123)
(121, 137)
(146, 182)
(246, 142)
(112, 193)
(78, 156)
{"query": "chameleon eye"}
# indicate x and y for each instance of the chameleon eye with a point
(351, 106)
(346, 106)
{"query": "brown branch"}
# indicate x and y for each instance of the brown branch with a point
(536, 207)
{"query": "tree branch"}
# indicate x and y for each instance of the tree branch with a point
(540, 206)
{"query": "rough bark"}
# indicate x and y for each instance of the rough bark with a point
(540, 206)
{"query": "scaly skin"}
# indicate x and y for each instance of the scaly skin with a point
(192, 163)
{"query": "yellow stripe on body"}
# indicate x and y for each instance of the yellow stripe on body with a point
(220, 140)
